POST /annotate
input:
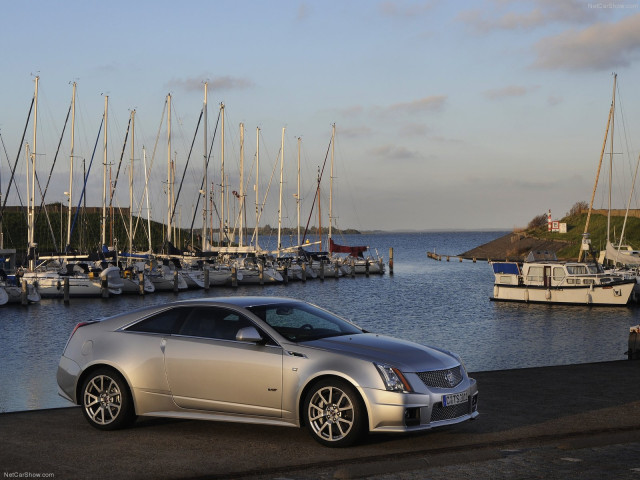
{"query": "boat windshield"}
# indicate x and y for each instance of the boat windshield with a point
(301, 322)
(582, 269)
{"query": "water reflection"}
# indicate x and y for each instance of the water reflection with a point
(445, 304)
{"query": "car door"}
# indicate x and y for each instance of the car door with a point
(207, 369)
(141, 351)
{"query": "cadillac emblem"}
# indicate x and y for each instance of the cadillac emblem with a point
(449, 377)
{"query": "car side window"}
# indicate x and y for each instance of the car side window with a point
(166, 322)
(217, 323)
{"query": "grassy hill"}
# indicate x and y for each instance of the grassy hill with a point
(597, 231)
(517, 244)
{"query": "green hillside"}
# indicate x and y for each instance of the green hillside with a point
(597, 231)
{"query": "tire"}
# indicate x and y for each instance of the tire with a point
(334, 413)
(106, 401)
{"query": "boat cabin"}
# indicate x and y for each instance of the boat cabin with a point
(550, 274)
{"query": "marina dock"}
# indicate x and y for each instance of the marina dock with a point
(574, 421)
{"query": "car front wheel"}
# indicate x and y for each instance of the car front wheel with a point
(334, 413)
(106, 401)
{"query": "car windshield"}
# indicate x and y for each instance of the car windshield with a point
(302, 322)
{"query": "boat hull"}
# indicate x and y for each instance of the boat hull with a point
(617, 294)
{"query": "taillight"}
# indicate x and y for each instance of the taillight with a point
(81, 324)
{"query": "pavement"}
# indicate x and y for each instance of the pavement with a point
(564, 422)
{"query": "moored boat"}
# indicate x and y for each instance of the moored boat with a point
(547, 280)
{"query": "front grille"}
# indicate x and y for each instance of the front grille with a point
(447, 413)
(448, 378)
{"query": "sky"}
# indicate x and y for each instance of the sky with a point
(466, 115)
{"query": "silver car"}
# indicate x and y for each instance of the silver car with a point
(261, 360)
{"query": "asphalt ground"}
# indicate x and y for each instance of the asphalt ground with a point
(565, 422)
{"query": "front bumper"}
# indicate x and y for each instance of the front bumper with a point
(410, 412)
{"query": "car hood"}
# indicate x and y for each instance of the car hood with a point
(407, 356)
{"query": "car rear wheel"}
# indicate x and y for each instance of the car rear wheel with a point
(334, 413)
(106, 401)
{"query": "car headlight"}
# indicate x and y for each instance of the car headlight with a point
(393, 378)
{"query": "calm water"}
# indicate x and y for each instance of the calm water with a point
(436, 303)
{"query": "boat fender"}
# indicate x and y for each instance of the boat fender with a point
(589, 299)
(526, 295)
(548, 294)
(496, 291)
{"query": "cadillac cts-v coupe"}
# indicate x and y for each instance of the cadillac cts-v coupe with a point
(261, 360)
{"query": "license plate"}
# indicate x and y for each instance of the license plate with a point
(455, 399)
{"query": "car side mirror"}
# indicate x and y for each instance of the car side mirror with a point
(249, 334)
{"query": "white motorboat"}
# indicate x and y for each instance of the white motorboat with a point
(554, 282)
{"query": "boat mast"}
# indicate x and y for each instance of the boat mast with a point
(206, 181)
(31, 195)
(333, 144)
(257, 183)
(133, 130)
(169, 168)
(146, 192)
(319, 215)
(222, 223)
(280, 201)
(104, 176)
(613, 122)
(70, 192)
(595, 186)
(298, 193)
(241, 202)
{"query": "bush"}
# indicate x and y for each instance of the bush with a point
(578, 208)
(539, 221)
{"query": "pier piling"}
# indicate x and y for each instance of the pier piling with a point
(104, 287)
(65, 290)
(23, 292)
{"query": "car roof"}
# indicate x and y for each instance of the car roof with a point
(127, 317)
(240, 301)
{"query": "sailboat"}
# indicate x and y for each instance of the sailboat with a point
(163, 274)
(133, 277)
(10, 290)
(51, 275)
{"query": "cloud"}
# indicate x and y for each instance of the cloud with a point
(394, 152)
(602, 46)
(353, 132)
(414, 130)
(217, 84)
(303, 12)
(393, 9)
(428, 104)
(509, 91)
(527, 15)
(552, 101)
(352, 111)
